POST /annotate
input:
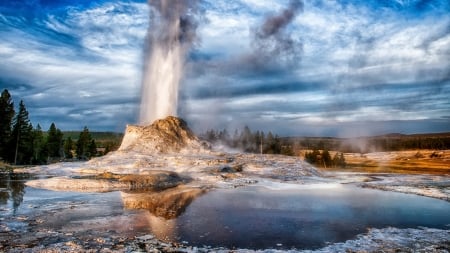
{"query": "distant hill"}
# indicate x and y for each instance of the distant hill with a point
(387, 142)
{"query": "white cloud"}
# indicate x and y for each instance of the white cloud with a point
(84, 65)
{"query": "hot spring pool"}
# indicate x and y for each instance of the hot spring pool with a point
(266, 215)
(301, 217)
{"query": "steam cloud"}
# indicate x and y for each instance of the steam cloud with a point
(270, 40)
(171, 34)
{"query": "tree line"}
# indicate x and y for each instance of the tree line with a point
(323, 159)
(248, 141)
(373, 144)
(21, 143)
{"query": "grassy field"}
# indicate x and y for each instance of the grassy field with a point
(405, 162)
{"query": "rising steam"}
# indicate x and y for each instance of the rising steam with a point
(270, 39)
(170, 36)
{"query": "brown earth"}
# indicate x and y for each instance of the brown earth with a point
(436, 162)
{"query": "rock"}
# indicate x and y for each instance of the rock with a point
(231, 169)
(153, 180)
(169, 135)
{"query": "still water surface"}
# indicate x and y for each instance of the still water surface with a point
(256, 217)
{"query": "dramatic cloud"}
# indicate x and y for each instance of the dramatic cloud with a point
(297, 68)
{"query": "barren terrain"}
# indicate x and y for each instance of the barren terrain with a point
(188, 168)
(405, 162)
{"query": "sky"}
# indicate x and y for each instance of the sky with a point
(312, 68)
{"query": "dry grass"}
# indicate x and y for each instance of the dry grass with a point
(405, 162)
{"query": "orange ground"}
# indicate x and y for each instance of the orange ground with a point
(406, 162)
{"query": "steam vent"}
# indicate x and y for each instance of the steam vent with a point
(169, 135)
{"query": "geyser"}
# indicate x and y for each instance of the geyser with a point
(170, 36)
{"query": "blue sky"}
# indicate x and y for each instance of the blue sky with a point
(338, 68)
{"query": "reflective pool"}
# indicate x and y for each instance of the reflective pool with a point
(301, 217)
(266, 215)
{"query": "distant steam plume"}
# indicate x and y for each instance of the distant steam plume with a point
(171, 34)
(273, 24)
(271, 40)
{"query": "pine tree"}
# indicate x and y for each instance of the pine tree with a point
(39, 149)
(54, 142)
(21, 140)
(68, 146)
(83, 144)
(6, 117)
(92, 149)
(326, 159)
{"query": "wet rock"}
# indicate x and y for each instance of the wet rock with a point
(152, 180)
(231, 168)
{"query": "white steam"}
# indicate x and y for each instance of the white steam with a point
(170, 36)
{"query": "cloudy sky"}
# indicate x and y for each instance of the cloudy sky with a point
(318, 67)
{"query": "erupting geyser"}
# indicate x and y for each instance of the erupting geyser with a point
(171, 34)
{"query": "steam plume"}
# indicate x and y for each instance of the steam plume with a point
(171, 34)
(273, 48)
(273, 24)
(270, 36)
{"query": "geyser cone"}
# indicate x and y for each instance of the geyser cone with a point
(169, 135)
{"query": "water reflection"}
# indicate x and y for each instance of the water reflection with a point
(164, 207)
(167, 204)
(12, 189)
(257, 218)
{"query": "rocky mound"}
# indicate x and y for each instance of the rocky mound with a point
(169, 135)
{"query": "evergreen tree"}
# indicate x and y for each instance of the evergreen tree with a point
(339, 160)
(273, 144)
(54, 141)
(6, 116)
(326, 159)
(92, 148)
(68, 147)
(21, 140)
(83, 144)
(269, 141)
(39, 149)
(313, 157)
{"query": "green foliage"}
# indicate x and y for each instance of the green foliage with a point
(21, 137)
(21, 144)
(68, 148)
(39, 147)
(6, 117)
(54, 142)
(92, 148)
(86, 146)
(339, 160)
(83, 144)
(323, 159)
